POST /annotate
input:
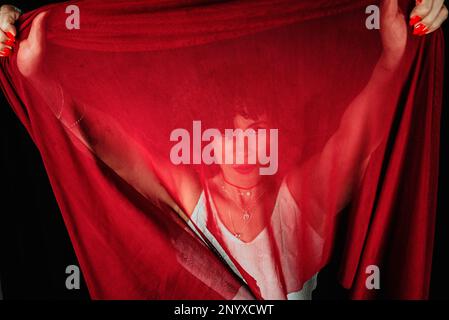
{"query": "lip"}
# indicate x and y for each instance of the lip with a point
(244, 168)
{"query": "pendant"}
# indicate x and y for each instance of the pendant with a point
(237, 235)
(246, 216)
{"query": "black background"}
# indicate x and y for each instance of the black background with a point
(35, 248)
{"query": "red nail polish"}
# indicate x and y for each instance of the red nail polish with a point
(418, 28)
(414, 20)
(423, 32)
(418, 2)
(10, 36)
(5, 52)
(9, 42)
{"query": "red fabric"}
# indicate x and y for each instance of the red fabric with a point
(356, 130)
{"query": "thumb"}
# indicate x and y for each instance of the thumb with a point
(9, 17)
(9, 29)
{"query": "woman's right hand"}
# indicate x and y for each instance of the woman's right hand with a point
(8, 16)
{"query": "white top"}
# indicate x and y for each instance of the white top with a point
(256, 257)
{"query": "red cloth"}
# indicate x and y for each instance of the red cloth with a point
(355, 130)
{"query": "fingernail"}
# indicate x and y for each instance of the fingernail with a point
(414, 20)
(9, 42)
(423, 32)
(418, 2)
(5, 52)
(418, 28)
(10, 36)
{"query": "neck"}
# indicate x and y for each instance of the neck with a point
(247, 185)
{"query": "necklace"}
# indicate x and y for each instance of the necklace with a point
(238, 187)
(246, 210)
(238, 235)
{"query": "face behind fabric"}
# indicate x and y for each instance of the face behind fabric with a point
(255, 131)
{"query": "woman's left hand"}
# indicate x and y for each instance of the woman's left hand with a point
(426, 17)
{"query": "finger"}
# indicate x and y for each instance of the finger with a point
(3, 46)
(5, 51)
(11, 28)
(422, 8)
(433, 13)
(8, 26)
(441, 17)
(7, 38)
(3, 36)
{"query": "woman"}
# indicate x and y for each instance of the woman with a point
(254, 217)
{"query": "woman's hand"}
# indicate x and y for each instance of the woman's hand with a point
(427, 16)
(8, 16)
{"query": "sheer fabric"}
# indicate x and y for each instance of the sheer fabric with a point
(136, 112)
(256, 256)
